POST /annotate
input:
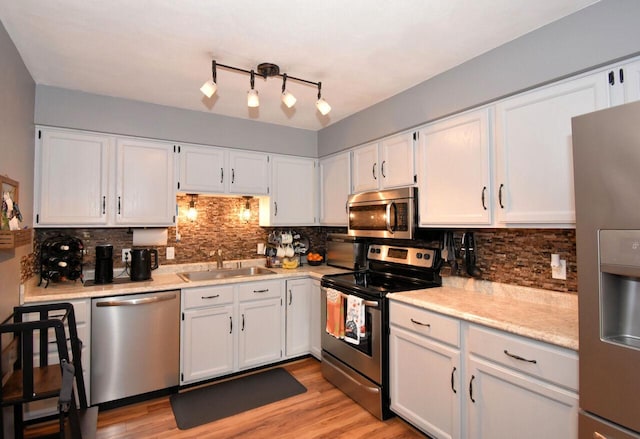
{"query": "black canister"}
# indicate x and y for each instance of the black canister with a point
(104, 264)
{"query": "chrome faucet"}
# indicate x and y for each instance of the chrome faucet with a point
(219, 259)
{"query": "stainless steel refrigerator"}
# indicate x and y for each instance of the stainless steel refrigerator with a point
(606, 158)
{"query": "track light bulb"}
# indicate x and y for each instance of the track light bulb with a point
(288, 99)
(323, 106)
(209, 88)
(252, 99)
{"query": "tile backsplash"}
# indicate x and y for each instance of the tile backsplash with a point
(511, 256)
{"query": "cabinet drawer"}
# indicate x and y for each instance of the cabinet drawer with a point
(259, 290)
(425, 322)
(541, 360)
(207, 296)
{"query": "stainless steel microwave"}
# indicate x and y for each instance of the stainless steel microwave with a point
(384, 214)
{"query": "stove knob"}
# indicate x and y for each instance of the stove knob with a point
(427, 256)
(419, 255)
(377, 251)
(372, 250)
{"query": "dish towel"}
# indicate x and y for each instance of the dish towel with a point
(354, 325)
(335, 313)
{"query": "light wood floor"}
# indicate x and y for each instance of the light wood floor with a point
(321, 412)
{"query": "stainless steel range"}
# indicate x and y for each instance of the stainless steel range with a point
(361, 369)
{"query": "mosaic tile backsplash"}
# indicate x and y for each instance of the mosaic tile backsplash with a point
(512, 256)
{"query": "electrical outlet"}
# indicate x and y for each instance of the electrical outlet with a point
(171, 253)
(126, 254)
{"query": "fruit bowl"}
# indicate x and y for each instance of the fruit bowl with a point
(314, 262)
(314, 258)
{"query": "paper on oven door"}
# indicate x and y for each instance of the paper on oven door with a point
(335, 313)
(354, 327)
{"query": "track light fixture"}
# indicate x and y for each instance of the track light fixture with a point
(265, 70)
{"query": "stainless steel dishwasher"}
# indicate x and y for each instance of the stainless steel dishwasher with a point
(135, 344)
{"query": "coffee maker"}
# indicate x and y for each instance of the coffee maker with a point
(104, 264)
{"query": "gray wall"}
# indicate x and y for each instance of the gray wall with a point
(75, 109)
(17, 94)
(597, 35)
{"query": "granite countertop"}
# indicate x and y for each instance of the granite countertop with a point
(165, 278)
(544, 315)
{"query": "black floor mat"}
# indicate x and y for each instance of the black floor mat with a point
(208, 404)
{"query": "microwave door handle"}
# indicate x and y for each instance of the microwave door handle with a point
(389, 228)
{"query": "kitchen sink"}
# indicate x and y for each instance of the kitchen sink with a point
(224, 273)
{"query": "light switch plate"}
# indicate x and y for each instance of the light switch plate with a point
(560, 272)
(171, 253)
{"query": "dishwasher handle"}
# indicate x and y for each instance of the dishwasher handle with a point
(133, 302)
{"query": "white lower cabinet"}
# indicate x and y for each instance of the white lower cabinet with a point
(316, 326)
(298, 317)
(481, 383)
(230, 327)
(425, 370)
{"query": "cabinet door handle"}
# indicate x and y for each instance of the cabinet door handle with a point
(452, 380)
(233, 175)
(428, 325)
(118, 205)
(104, 204)
(221, 175)
(210, 297)
(484, 190)
(346, 207)
(261, 291)
(373, 171)
(275, 205)
(473, 377)
(612, 78)
(518, 357)
(382, 169)
(243, 322)
(290, 297)
(500, 196)
(230, 325)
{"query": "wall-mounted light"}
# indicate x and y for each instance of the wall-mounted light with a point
(266, 70)
(245, 212)
(192, 213)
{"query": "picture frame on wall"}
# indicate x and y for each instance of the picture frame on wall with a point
(11, 216)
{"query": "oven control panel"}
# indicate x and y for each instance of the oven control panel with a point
(419, 257)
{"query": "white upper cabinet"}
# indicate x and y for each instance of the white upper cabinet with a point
(293, 198)
(71, 173)
(534, 164)
(335, 185)
(203, 169)
(86, 179)
(624, 82)
(249, 173)
(453, 170)
(397, 161)
(145, 183)
(387, 164)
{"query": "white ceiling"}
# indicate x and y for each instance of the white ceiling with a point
(363, 51)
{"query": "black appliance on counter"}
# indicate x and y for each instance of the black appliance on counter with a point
(362, 370)
(104, 264)
(140, 268)
(61, 259)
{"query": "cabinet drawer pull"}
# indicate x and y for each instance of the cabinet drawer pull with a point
(473, 377)
(428, 325)
(210, 297)
(500, 196)
(261, 291)
(452, 380)
(484, 190)
(518, 357)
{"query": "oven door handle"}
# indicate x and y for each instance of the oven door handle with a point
(372, 303)
(388, 215)
(357, 383)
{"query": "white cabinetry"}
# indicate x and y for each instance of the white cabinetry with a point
(520, 388)
(260, 320)
(249, 173)
(424, 361)
(145, 183)
(71, 178)
(534, 162)
(335, 186)
(624, 82)
(453, 162)
(293, 200)
(387, 164)
(202, 169)
(298, 316)
(85, 179)
(207, 332)
(316, 326)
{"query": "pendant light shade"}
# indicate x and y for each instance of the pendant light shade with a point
(323, 106)
(252, 95)
(287, 98)
(209, 88)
